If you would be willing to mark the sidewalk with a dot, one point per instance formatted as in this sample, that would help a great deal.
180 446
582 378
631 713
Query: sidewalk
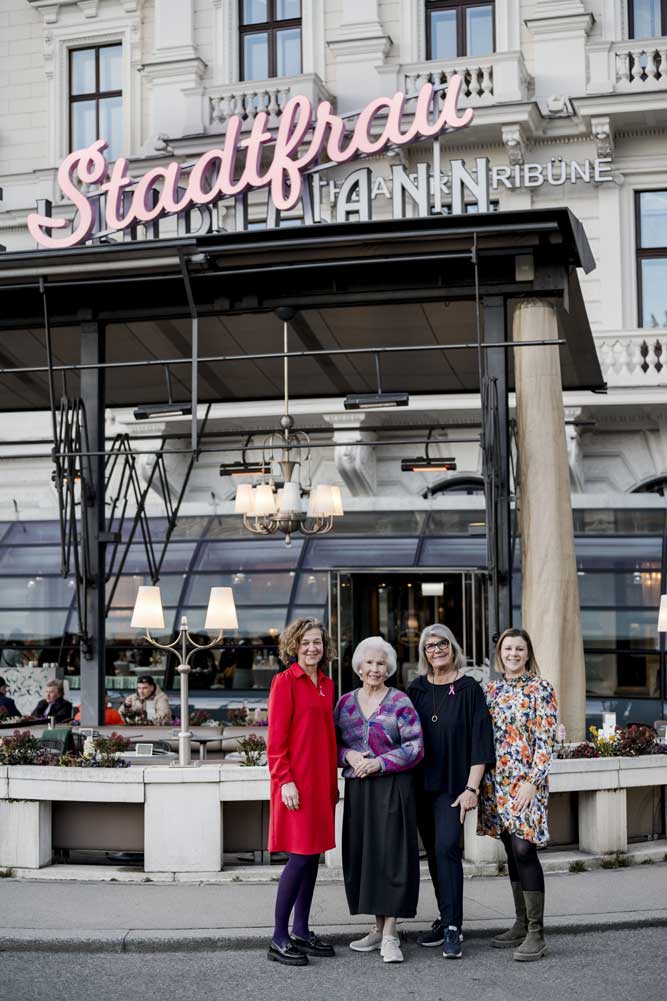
104 915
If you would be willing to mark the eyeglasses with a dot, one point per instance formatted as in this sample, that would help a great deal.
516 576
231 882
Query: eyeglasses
441 645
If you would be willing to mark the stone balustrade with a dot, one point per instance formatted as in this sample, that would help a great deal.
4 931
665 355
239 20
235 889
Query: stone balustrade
183 815
641 65
247 98
494 79
633 358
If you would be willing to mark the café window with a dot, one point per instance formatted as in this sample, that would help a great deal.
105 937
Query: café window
651 216
270 36
459 29
647 18
96 97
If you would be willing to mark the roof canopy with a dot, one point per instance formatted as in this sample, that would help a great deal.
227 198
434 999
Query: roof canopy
374 285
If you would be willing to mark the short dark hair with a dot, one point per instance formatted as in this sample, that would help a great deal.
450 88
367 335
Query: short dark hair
146 679
3 683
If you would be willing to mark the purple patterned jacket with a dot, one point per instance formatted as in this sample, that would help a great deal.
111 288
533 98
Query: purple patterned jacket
393 733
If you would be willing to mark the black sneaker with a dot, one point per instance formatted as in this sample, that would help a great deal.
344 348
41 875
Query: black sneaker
452 944
434 936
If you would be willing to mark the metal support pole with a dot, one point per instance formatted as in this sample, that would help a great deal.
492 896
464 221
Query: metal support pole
184 736
495 424
93 649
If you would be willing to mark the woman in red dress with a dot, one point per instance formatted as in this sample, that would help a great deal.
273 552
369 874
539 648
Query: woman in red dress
304 783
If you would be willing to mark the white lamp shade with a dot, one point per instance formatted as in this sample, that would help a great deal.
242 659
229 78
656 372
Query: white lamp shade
244 501
662 614
221 611
289 498
337 499
321 502
265 502
148 609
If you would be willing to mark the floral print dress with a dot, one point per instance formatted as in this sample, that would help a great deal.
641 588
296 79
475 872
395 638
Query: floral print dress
525 716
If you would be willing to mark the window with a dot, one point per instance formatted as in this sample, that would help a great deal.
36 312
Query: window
96 97
647 18
270 38
459 29
651 216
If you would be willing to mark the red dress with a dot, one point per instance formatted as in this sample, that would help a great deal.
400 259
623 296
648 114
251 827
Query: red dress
302 749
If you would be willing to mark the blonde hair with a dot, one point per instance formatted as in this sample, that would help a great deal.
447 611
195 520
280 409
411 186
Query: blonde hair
532 666
290 641
445 633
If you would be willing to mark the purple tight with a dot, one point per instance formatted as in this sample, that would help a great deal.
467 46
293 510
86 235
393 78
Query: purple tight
295 892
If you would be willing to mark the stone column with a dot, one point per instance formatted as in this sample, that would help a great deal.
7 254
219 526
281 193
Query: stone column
550 594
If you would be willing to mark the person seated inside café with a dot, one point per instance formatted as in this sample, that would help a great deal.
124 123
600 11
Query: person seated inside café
54 705
8 707
149 703
111 716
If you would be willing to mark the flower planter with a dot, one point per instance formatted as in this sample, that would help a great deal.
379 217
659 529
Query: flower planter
183 829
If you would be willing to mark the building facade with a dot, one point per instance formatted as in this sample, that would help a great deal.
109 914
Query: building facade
570 109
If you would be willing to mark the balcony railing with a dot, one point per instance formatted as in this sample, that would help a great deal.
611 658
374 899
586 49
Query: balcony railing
247 98
494 79
633 358
641 66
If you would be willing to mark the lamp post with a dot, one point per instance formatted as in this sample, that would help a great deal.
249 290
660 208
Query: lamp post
220 615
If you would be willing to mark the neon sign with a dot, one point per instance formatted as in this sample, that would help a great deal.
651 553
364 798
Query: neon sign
300 141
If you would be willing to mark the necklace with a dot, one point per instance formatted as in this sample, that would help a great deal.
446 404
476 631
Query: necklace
436 710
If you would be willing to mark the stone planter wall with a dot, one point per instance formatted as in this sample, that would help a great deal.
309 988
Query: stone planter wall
184 810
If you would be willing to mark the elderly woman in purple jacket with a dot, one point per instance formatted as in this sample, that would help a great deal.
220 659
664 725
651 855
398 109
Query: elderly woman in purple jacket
379 742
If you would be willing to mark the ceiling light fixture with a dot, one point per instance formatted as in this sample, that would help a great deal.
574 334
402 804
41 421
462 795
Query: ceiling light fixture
273 507
146 411
238 469
370 401
424 464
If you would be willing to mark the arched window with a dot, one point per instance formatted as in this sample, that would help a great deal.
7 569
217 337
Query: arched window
456 485
658 485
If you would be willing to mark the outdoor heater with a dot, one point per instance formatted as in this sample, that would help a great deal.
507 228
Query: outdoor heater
220 615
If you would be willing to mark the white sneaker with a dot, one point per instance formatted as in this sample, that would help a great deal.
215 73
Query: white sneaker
368 943
391 950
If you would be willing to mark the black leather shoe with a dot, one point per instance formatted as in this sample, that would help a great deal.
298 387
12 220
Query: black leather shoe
312 946
288 955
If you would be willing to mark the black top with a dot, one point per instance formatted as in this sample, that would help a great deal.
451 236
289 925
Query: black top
9 705
60 710
461 737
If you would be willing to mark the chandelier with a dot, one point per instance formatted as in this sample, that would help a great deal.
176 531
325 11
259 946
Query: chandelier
290 502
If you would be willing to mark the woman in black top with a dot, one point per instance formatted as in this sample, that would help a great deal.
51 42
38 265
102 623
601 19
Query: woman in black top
458 746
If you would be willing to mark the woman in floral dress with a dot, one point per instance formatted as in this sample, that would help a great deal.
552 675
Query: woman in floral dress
515 795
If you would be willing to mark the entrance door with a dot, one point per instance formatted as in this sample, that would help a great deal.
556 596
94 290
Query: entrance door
397 605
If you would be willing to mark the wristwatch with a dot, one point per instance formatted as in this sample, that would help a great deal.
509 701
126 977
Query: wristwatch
472 789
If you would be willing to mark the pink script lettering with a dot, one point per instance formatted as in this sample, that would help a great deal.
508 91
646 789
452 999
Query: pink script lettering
156 194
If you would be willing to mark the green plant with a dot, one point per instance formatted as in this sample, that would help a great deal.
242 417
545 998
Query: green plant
23 748
7 873
619 860
253 750
108 748
198 717
647 861
578 866
238 717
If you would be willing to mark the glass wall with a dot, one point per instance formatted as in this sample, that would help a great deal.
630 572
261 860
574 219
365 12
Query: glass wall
619 559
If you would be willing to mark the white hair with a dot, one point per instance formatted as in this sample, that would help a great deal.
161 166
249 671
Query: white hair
375 643
443 633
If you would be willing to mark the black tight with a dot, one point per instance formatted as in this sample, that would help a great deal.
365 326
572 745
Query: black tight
522 862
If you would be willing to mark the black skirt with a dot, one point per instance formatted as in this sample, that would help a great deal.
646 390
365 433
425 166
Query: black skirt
380 848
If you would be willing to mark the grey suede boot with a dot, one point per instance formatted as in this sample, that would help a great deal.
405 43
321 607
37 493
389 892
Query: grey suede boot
515 935
533 946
